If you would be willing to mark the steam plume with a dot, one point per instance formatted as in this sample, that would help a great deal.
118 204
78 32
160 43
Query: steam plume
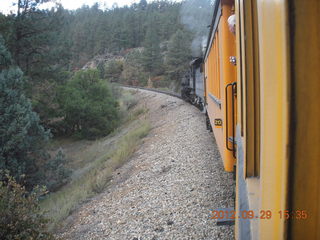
196 15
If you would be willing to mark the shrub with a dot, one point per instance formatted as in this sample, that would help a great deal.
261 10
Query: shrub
89 108
19 212
54 172
113 70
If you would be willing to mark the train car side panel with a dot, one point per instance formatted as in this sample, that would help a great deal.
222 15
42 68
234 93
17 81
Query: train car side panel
213 91
228 76
220 73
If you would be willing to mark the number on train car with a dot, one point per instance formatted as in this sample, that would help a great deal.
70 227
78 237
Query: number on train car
218 122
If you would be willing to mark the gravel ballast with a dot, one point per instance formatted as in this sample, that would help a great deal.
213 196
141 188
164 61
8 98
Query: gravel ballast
168 187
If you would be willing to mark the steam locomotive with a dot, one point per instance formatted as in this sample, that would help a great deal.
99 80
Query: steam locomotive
192 84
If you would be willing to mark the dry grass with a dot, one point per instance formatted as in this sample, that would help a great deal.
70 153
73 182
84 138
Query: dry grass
61 204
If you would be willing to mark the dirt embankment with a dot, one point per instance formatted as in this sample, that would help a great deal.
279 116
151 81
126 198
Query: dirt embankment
168 187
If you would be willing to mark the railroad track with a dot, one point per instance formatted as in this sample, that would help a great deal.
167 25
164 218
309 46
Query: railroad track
154 90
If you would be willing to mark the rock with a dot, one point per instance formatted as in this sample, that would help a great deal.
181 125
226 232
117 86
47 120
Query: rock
170 222
159 229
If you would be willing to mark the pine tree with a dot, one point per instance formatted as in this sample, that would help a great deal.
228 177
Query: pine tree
133 72
21 135
30 35
152 59
143 4
179 54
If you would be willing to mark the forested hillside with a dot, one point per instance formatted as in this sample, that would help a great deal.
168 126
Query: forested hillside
142 44
59 70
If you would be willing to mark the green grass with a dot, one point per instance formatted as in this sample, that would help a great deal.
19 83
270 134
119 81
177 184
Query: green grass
128 99
94 177
135 114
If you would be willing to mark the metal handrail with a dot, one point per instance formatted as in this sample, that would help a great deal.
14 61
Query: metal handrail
234 92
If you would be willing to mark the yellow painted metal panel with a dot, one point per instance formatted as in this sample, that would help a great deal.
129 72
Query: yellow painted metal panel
228 75
274 75
270 190
252 91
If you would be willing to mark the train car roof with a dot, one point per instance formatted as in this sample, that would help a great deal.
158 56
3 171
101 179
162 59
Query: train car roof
213 25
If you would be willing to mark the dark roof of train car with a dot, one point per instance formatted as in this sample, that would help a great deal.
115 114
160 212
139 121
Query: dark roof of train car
215 10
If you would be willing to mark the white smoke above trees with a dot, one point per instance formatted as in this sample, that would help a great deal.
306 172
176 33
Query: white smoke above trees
196 15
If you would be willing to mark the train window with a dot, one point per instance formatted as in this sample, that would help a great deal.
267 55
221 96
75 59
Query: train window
217 67
214 70
252 87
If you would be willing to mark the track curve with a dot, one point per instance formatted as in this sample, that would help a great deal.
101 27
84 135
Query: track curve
173 94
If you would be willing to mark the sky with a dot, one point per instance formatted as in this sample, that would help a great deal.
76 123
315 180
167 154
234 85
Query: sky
6 5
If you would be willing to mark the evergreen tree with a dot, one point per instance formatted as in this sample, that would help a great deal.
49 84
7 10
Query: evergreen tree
40 51
152 59
21 135
31 33
179 55
143 4
133 72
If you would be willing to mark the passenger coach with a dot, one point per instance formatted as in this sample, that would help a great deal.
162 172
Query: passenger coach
261 74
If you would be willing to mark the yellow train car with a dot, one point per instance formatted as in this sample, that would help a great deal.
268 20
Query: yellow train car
262 98
220 78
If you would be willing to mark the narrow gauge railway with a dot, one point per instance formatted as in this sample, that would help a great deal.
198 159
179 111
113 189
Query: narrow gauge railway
173 94
258 83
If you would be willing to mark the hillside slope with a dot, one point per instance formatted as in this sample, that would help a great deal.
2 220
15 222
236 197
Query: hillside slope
168 187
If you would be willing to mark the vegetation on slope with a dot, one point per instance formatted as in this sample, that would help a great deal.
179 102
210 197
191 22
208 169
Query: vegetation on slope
19 212
22 137
89 109
96 161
